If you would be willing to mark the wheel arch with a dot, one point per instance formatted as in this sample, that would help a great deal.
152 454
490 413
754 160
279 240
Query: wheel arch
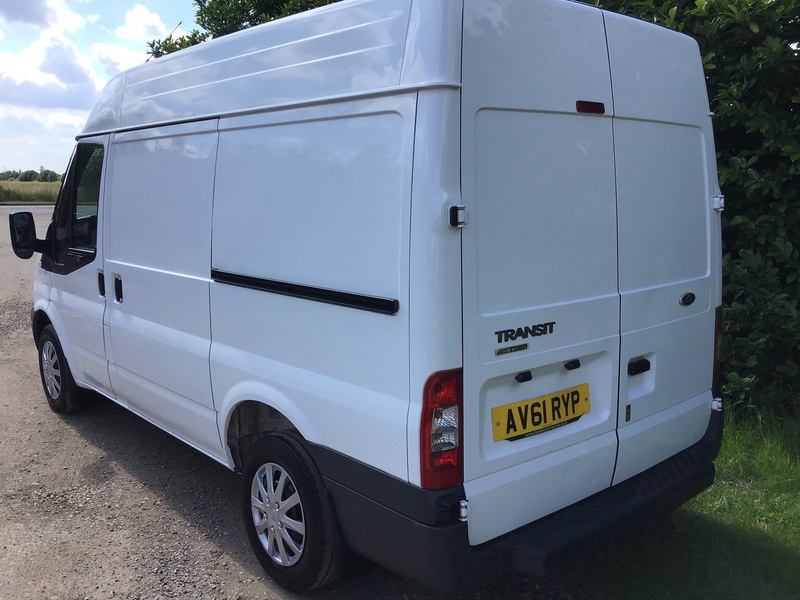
41 317
39 320
252 416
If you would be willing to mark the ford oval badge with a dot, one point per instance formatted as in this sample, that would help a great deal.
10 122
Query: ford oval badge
687 299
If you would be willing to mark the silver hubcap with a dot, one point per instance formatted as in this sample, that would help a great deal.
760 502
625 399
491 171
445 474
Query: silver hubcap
278 514
51 369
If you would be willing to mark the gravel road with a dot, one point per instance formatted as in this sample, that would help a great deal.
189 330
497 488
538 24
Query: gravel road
101 504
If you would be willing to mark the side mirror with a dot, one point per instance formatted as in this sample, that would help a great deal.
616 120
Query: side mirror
23 234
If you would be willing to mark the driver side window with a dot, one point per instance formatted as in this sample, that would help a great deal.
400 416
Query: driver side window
75 220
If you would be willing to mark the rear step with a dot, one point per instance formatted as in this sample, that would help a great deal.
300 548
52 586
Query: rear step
538 548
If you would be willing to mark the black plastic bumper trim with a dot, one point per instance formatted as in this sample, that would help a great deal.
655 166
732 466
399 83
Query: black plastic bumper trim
440 557
426 507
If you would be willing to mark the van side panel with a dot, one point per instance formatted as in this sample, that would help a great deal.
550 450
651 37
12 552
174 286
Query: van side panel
312 206
157 268
435 277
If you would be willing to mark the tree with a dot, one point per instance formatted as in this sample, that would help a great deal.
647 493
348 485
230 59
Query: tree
221 17
47 175
751 54
30 175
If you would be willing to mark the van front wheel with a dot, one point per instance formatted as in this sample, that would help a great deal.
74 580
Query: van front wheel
288 516
59 386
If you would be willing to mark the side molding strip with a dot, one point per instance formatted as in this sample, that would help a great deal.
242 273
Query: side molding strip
384 306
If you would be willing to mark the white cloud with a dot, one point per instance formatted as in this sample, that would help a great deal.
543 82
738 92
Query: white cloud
52 58
62 19
61 61
32 12
38 137
78 96
116 59
45 14
48 87
141 25
47 119
49 74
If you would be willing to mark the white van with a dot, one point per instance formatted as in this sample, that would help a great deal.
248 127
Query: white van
441 279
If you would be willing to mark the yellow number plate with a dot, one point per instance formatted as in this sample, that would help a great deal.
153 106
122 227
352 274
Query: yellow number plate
524 418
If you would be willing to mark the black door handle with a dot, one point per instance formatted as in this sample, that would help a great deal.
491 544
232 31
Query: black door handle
101 284
118 288
638 367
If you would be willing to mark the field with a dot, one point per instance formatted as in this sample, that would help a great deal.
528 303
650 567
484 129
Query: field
28 192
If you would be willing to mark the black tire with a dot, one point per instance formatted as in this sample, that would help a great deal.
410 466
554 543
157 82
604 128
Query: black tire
298 547
63 395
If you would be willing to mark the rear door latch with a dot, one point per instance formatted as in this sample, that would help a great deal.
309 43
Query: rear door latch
457 216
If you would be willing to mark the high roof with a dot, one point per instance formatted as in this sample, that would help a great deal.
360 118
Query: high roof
354 47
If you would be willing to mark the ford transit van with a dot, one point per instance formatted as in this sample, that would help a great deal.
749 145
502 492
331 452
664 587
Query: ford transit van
440 279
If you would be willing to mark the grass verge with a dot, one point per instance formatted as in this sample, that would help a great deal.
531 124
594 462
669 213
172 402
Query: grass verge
28 192
739 539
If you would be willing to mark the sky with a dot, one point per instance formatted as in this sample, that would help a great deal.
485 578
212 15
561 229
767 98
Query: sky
56 56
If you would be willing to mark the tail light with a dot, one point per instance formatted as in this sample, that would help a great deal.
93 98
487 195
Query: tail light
716 382
441 451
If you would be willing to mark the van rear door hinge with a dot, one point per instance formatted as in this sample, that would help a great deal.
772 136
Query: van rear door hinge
457 216
718 202
463 510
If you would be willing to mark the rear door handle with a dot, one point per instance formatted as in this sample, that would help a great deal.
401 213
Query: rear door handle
637 367
118 288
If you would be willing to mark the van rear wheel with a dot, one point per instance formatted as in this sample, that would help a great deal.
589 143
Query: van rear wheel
288 515
63 395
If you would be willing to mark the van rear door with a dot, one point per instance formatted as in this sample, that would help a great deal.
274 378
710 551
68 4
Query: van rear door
591 255
541 304
668 251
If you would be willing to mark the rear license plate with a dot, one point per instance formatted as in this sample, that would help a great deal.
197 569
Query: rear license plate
521 419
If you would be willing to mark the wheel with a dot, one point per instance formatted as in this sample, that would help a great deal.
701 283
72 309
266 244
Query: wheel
63 395
288 515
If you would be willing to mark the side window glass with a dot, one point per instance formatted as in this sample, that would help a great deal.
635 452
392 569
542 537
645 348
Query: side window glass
75 234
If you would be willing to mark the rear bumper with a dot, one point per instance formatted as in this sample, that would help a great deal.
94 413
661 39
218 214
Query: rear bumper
415 533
